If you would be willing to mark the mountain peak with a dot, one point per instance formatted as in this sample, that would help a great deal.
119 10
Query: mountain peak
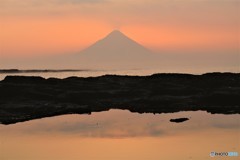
116 50
116 44
116 34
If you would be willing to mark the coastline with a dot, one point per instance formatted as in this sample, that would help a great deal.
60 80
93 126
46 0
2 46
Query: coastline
25 98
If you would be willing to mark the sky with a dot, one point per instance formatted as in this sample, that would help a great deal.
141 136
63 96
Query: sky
32 28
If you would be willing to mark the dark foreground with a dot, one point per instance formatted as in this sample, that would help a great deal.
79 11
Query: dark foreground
179 120
26 98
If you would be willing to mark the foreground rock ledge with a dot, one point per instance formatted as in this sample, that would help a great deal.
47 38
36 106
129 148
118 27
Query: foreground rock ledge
25 98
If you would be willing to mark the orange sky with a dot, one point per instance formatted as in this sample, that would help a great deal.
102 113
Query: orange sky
33 28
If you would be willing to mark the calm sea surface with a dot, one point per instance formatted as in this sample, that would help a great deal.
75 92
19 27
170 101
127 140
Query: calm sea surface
121 135
94 73
139 72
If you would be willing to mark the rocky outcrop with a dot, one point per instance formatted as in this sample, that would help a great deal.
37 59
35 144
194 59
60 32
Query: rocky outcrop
25 98
179 120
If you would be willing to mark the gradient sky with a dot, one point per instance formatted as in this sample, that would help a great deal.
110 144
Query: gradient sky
35 28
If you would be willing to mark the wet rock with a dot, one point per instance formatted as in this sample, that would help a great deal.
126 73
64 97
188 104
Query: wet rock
25 98
179 120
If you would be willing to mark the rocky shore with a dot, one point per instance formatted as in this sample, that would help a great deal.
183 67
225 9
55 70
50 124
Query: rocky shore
26 98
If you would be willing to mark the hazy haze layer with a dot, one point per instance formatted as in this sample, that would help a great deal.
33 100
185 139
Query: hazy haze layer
201 32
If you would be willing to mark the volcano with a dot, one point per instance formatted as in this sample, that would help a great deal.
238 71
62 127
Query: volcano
116 51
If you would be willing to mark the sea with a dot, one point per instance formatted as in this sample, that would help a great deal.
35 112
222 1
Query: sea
121 134
48 73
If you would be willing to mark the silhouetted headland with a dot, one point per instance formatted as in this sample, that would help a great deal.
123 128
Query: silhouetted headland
38 70
25 98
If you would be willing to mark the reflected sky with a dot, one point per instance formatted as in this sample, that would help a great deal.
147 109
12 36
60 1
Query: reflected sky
95 73
123 124
120 134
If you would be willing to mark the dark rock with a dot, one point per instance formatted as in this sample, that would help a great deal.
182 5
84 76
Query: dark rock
179 120
24 98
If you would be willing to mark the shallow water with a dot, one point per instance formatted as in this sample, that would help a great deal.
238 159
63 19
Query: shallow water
95 73
121 135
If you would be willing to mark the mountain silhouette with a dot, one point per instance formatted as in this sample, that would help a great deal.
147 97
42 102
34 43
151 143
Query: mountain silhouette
116 51
116 45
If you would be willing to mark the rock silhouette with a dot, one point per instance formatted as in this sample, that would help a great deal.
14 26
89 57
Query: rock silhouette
25 98
179 120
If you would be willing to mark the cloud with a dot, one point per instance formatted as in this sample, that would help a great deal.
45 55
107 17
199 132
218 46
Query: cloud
22 5
76 1
49 7
37 2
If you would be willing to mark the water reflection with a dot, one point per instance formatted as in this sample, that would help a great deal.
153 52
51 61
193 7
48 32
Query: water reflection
119 134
